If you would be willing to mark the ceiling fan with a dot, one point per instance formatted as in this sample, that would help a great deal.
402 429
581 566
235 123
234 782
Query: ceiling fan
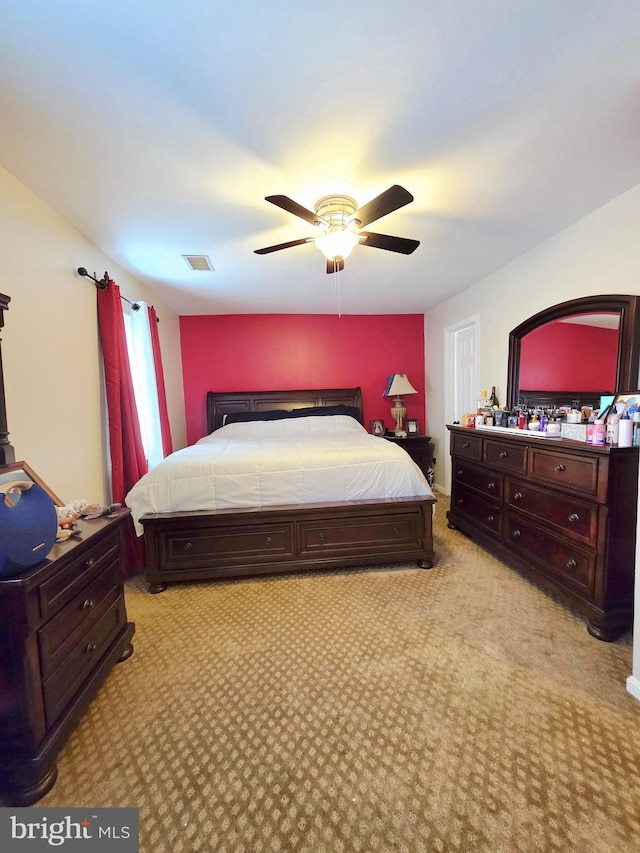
340 220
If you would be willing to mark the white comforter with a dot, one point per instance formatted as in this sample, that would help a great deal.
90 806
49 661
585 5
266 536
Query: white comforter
266 463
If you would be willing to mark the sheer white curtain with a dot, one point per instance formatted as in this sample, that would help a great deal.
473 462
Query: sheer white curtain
136 323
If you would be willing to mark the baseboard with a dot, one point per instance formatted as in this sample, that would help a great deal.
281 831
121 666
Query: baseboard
633 686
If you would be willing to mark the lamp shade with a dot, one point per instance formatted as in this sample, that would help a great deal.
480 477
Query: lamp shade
398 385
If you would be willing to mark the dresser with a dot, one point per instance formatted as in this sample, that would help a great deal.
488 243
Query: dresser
63 626
563 513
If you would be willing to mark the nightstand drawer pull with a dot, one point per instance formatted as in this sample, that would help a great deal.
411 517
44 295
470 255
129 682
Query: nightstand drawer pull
465 444
559 468
188 546
503 454
89 604
90 648
574 518
517 496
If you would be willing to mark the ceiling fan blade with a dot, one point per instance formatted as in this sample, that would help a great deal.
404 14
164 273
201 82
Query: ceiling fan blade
335 266
292 206
288 245
392 244
388 201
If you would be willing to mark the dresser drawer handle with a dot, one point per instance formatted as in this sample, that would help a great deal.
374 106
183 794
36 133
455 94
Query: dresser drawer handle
466 445
89 604
321 536
188 546
268 539
574 517
559 468
90 648
491 519
516 534
517 496
491 485
460 501
503 454
396 532
459 472
571 564
88 563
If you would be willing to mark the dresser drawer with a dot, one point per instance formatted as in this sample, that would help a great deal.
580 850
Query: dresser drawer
477 508
61 687
572 517
243 542
563 469
570 564
59 636
481 479
507 456
346 534
63 586
469 446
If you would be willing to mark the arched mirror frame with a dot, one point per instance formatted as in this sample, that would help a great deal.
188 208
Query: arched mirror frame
628 340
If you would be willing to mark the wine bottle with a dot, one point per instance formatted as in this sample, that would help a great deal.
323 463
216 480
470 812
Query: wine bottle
493 400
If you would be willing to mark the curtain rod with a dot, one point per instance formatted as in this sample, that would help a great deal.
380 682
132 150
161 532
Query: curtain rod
102 283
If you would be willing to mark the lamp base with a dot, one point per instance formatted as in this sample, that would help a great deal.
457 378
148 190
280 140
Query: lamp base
400 433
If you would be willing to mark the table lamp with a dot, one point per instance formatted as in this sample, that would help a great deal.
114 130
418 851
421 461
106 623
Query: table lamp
397 386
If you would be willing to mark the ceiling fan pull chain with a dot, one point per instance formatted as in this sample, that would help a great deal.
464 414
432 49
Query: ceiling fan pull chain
336 275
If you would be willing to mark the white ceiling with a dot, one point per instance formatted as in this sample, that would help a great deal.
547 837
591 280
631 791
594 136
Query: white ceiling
158 127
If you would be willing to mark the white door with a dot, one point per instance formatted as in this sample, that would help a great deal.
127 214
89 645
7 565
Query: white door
461 369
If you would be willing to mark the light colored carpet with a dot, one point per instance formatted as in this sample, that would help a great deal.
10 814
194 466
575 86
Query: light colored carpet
394 709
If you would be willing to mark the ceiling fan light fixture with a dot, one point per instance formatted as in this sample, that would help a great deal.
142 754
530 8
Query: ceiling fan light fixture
337 244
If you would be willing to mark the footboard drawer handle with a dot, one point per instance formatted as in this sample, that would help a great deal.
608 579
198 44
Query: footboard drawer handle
395 531
321 536
516 534
268 539
188 546
90 648
571 564
517 496
559 468
574 518
89 604
503 454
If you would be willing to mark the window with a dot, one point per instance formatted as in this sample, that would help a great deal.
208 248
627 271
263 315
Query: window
136 325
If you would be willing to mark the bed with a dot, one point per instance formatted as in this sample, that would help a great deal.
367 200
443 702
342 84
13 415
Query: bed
214 537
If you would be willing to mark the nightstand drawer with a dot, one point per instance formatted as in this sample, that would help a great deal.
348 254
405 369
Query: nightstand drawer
59 636
63 685
61 588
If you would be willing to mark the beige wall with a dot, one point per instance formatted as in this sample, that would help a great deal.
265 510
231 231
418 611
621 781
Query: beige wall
599 254
50 345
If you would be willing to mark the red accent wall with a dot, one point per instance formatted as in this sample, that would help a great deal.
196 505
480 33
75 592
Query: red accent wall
282 352
576 357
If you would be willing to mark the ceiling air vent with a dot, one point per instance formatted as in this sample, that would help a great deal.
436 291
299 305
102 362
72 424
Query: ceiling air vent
200 263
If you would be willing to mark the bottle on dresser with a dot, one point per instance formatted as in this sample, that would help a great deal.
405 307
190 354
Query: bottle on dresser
493 400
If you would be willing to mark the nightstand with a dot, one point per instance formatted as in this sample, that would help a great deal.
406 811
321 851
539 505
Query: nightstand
420 449
63 626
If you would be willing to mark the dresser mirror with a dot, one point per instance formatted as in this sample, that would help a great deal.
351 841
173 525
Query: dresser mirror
576 350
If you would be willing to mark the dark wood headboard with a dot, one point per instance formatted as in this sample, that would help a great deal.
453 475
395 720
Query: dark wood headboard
228 402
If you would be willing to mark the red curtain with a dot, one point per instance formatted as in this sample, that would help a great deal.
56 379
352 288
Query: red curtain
165 428
128 462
